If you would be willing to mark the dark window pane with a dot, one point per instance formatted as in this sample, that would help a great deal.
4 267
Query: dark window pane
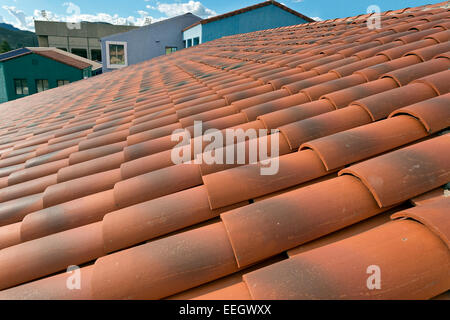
21 86
41 85
80 52
169 50
61 83
96 55
196 41
18 85
25 86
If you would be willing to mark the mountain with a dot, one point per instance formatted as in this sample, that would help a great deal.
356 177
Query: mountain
8 26
17 38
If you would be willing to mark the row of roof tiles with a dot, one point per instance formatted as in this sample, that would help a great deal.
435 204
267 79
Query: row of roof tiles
86 173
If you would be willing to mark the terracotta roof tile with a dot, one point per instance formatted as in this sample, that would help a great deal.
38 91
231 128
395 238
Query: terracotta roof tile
79 64
360 143
86 174
310 268
434 114
393 176
328 123
216 253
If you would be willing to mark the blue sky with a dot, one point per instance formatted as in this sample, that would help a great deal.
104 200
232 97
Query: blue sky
21 13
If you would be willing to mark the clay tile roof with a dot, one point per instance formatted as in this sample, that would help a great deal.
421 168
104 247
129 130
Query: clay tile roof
360 120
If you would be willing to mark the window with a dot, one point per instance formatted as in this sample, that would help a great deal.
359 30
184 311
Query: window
184 44
62 82
41 85
96 55
116 54
196 41
63 49
189 43
169 50
21 86
80 52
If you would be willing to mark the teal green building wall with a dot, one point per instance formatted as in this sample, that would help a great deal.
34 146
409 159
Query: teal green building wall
33 67
267 17
3 93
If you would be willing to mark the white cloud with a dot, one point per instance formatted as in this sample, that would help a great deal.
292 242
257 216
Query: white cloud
21 20
175 9
77 16
317 18
27 22
73 14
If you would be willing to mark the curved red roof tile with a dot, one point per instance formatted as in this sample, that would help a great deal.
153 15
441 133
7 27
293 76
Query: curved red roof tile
433 215
205 254
36 172
15 210
257 231
90 167
437 81
374 71
243 183
9 235
52 288
303 111
433 113
27 188
156 184
325 124
253 112
360 143
66 216
380 105
23 262
343 97
345 233
91 154
73 189
398 176
399 243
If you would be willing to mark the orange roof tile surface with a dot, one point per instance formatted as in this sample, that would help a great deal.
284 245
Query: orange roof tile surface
87 178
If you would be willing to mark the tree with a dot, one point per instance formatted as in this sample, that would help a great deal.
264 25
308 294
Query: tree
5 47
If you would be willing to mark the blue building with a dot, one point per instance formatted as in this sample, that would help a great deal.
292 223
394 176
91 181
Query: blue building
124 49
265 15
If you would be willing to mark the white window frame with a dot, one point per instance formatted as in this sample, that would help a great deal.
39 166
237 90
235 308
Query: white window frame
108 57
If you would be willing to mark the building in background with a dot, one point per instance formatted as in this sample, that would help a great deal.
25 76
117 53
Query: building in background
96 66
82 39
31 70
145 43
265 15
